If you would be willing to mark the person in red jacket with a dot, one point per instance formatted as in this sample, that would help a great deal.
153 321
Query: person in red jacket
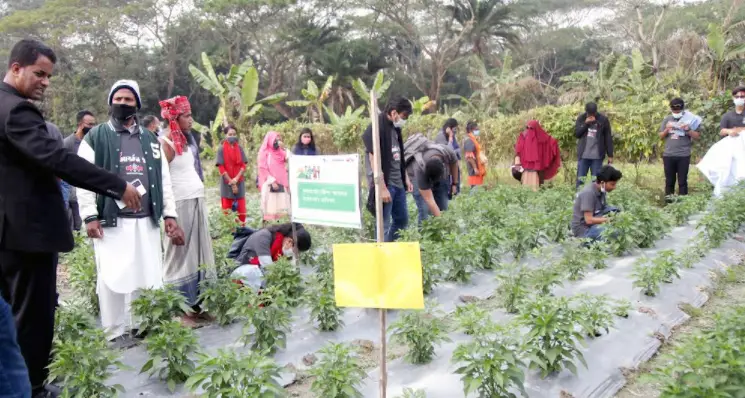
231 160
537 155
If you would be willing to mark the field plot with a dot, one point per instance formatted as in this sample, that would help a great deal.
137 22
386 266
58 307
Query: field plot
514 306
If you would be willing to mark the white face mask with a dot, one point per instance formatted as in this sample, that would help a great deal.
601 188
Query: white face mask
287 252
399 123
476 132
739 101
677 115
602 187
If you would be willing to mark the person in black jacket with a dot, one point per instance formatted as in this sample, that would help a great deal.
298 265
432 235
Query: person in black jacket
396 181
33 223
595 140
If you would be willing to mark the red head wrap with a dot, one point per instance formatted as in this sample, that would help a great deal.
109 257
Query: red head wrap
171 109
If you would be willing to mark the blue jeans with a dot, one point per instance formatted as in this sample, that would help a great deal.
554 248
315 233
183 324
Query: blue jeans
395 214
14 381
595 233
585 165
440 191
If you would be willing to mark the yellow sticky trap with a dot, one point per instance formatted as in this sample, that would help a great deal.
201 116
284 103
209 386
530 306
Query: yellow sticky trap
378 275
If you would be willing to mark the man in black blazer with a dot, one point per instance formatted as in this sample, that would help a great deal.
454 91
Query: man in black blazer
33 222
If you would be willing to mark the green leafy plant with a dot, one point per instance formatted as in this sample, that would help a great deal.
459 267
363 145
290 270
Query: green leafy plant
268 320
81 266
155 306
84 364
706 364
458 259
552 342
595 312
322 302
338 373
521 234
647 277
544 279
597 254
574 259
666 261
514 286
72 320
432 254
285 277
692 253
620 233
411 393
226 375
622 308
218 297
420 331
485 241
491 366
472 319
169 351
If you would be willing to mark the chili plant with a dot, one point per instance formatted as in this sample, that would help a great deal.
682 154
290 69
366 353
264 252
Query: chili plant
268 320
514 286
491 366
622 308
432 254
547 275
286 279
338 373
81 266
169 351
552 342
155 306
485 241
647 277
521 235
458 259
595 313
72 321
420 331
620 233
411 393
666 261
83 365
218 297
227 375
471 319
322 302
574 259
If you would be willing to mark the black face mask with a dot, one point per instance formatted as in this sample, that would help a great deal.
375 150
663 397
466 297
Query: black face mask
122 112
276 144
86 130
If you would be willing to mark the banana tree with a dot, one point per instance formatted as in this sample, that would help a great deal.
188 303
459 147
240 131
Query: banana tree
346 127
314 99
422 104
723 50
237 91
380 86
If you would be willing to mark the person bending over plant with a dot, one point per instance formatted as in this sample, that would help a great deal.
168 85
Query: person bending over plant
264 247
591 210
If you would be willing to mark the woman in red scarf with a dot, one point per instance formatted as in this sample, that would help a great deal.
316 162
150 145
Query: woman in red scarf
536 155
232 163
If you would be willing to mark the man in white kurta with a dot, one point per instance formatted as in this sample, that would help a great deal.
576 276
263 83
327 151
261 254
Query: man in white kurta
127 242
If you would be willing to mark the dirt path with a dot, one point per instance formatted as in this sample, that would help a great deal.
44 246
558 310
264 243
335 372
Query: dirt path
728 292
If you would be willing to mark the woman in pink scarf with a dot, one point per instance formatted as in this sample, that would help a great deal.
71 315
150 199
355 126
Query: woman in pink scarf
536 155
273 178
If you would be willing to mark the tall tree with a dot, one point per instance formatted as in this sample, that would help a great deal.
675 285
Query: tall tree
493 24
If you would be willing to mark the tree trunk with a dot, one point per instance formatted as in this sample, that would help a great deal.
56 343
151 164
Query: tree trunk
435 82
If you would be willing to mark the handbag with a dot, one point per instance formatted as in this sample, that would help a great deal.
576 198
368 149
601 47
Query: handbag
280 188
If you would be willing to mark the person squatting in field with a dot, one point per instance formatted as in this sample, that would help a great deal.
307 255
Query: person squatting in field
253 251
591 209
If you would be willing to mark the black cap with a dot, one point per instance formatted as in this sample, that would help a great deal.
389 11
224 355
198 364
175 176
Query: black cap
739 89
677 103
591 108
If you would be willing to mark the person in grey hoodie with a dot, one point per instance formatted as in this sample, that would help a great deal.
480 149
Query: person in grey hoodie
448 137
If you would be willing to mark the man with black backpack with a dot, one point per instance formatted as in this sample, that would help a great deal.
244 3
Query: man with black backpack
429 166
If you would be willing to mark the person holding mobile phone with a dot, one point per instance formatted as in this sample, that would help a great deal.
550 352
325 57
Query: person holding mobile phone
129 256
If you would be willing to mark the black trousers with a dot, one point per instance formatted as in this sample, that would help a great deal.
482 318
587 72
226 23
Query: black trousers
74 214
676 166
28 282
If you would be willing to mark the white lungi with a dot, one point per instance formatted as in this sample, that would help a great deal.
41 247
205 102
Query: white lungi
128 258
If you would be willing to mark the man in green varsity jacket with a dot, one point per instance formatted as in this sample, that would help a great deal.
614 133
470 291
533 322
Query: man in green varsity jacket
127 242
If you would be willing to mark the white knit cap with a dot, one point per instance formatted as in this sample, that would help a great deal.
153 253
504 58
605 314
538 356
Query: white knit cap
130 84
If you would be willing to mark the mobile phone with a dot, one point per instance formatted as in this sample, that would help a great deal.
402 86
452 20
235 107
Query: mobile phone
139 187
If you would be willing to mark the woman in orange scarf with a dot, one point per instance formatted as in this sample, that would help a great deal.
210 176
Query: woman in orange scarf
232 163
475 157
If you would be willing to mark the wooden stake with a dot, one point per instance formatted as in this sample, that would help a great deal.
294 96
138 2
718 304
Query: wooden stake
378 180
